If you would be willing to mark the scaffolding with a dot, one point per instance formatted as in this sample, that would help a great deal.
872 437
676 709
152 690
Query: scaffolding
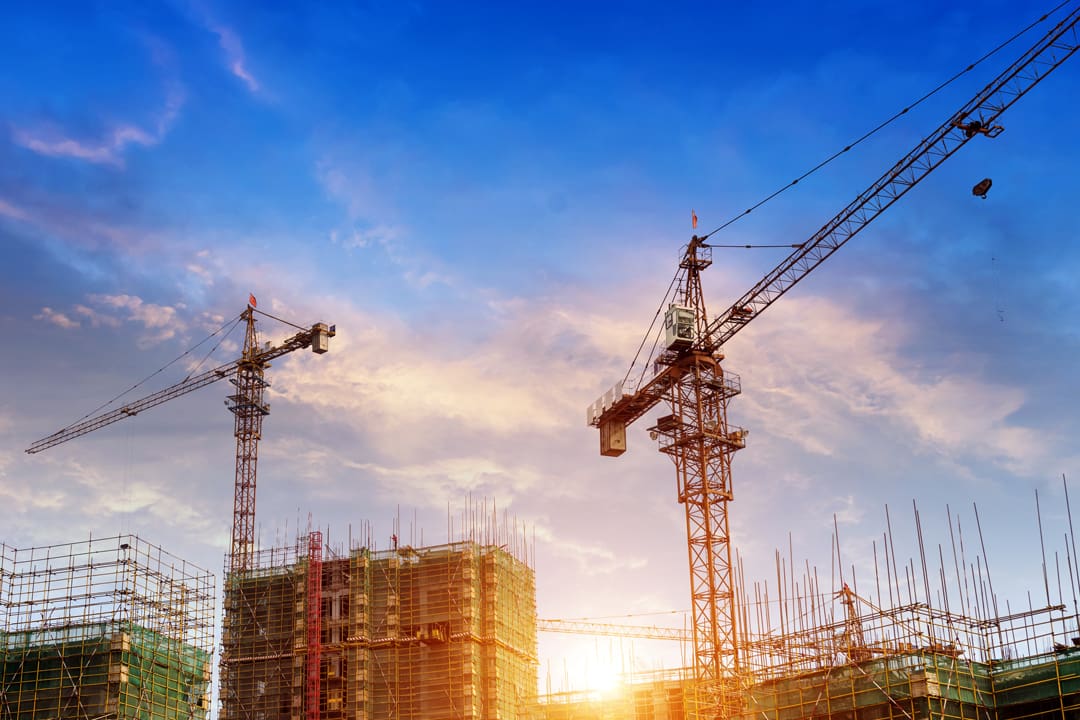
446 631
264 638
913 663
932 645
925 678
945 652
109 628
654 695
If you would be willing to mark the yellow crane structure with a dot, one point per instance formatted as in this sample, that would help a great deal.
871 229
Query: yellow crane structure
591 627
688 376
248 374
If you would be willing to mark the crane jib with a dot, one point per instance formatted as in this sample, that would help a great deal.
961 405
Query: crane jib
1008 87
317 338
986 107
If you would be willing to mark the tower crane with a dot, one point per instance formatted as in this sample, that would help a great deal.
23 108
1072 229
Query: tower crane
688 374
248 374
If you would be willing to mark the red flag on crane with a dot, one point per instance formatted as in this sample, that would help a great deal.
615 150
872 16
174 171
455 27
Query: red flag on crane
693 219
251 300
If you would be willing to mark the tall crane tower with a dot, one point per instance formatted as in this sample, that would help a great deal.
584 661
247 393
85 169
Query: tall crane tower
248 374
689 378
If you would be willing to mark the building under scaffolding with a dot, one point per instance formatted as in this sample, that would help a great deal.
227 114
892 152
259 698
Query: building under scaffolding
109 628
432 632
926 649
916 662
918 674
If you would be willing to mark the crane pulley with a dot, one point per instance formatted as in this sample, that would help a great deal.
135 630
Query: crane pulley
689 377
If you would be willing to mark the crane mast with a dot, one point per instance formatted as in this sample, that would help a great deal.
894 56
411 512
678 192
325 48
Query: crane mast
249 409
689 378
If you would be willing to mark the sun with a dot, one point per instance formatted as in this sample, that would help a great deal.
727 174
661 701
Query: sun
603 679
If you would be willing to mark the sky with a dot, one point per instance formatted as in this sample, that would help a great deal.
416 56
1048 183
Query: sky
489 200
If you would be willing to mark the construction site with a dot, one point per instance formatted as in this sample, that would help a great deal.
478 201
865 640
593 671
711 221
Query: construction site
445 631
106 628
115 628
934 642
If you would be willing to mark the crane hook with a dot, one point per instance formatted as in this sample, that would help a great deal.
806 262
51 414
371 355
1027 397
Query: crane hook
982 187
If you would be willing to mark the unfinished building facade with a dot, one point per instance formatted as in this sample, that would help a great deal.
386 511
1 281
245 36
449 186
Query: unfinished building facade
918 662
109 628
443 632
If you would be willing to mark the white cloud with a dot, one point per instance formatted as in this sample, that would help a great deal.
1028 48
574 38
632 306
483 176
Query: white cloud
11 211
354 188
148 315
96 319
85 492
523 375
846 510
53 141
79 228
380 234
369 214
47 314
161 322
203 273
820 371
234 55
589 559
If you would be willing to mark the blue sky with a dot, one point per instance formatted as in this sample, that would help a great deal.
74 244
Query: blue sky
489 200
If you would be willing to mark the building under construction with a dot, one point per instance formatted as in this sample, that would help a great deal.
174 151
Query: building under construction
447 631
905 682
109 628
919 662
933 643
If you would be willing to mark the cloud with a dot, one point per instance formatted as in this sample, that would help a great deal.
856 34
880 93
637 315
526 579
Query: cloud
440 481
87 493
11 211
163 320
47 314
590 559
824 375
383 235
846 510
526 367
203 273
58 220
234 55
148 314
96 319
53 141
354 187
